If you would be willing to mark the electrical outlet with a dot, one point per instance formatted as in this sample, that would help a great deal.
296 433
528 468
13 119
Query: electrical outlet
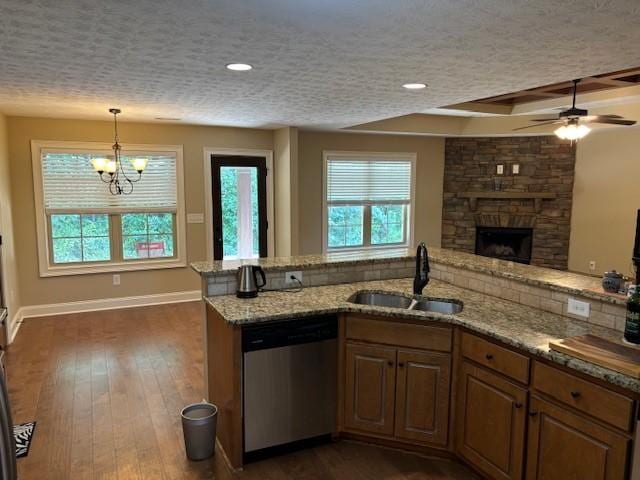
576 307
500 169
515 169
116 279
290 281
592 265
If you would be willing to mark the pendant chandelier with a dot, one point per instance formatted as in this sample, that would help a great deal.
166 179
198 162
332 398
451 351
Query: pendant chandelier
119 182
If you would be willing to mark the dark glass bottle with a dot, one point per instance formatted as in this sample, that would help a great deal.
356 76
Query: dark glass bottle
632 325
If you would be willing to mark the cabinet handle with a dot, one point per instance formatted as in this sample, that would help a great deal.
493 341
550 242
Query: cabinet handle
401 365
517 405
575 393
533 414
488 356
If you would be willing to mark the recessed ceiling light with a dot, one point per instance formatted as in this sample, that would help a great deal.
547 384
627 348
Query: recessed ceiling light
414 86
239 67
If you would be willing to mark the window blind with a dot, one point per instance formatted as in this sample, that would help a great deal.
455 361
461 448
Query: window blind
368 181
71 184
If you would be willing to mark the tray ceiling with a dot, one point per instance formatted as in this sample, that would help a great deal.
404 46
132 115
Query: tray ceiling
318 64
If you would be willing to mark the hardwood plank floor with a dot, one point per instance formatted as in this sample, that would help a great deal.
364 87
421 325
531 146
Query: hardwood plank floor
106 389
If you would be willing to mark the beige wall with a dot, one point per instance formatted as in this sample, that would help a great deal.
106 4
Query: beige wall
35 290
10 274
285 145
606 198
429 178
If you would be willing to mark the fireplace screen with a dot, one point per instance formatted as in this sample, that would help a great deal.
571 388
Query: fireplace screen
513 244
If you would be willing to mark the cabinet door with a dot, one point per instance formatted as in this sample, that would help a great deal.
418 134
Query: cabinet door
422 396
370 388
564 446
491 421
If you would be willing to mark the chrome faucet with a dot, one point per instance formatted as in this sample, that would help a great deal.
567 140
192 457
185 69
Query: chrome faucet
422 269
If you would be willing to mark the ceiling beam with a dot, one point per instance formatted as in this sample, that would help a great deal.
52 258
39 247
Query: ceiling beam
481 108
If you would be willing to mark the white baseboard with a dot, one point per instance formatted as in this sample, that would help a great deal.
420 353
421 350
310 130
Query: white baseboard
30 311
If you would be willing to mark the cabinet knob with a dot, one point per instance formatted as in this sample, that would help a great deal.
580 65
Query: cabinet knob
390 363
533 414
488 356
401 364
517 405
575 393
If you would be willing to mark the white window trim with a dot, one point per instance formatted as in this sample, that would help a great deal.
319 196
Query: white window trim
47 269
208 202
400 156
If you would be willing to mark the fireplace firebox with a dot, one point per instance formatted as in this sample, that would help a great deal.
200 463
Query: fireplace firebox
513 244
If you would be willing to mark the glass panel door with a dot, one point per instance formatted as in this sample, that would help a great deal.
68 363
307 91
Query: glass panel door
239 207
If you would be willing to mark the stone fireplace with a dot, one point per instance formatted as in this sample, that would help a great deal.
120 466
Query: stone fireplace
513 244
524 218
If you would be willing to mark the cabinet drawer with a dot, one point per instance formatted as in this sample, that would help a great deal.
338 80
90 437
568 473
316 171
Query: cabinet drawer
397 333
497 358
608 406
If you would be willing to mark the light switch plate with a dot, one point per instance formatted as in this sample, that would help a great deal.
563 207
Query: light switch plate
195 217
576 307
515 169
116 279
500 169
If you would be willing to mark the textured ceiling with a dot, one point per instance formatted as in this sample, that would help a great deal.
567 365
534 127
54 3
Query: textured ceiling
318 63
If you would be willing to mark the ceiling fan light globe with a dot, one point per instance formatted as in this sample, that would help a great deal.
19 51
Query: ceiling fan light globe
572 132
561 132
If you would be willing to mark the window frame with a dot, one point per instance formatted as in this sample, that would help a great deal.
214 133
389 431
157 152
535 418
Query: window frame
410 206
117 264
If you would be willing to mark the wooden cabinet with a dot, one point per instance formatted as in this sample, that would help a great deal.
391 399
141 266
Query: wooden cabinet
563 445
396 392
422 396
370 388
491 419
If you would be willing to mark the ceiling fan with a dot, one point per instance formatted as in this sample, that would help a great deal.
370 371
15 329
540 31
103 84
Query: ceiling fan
573 120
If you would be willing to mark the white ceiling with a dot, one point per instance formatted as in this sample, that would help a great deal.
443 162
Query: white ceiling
318 63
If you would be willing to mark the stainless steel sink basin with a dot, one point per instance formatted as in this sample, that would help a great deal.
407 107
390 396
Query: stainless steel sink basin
438 306
393 300
397 300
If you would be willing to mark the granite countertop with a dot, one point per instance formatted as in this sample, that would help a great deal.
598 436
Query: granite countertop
305 261
557 280
517 325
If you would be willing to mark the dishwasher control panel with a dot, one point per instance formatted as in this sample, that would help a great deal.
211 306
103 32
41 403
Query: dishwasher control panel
289 332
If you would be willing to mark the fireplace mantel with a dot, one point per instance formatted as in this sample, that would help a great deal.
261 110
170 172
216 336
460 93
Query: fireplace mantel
537 197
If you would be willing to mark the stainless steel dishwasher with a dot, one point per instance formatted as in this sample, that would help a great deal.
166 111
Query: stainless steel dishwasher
289 381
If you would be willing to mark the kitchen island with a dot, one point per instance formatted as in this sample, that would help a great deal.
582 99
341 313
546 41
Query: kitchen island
494 391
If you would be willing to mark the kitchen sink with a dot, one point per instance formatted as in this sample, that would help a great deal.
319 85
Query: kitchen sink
438 306
400 301
393 300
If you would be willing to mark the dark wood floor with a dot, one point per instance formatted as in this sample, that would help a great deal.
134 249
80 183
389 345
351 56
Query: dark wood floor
106 389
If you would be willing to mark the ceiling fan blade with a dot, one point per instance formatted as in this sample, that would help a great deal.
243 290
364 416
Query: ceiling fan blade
591 118
544 119
539 125
613 121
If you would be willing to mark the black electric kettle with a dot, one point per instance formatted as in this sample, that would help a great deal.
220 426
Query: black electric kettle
248 285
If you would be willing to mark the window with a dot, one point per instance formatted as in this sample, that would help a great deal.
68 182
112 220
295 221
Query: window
368 200
82 228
